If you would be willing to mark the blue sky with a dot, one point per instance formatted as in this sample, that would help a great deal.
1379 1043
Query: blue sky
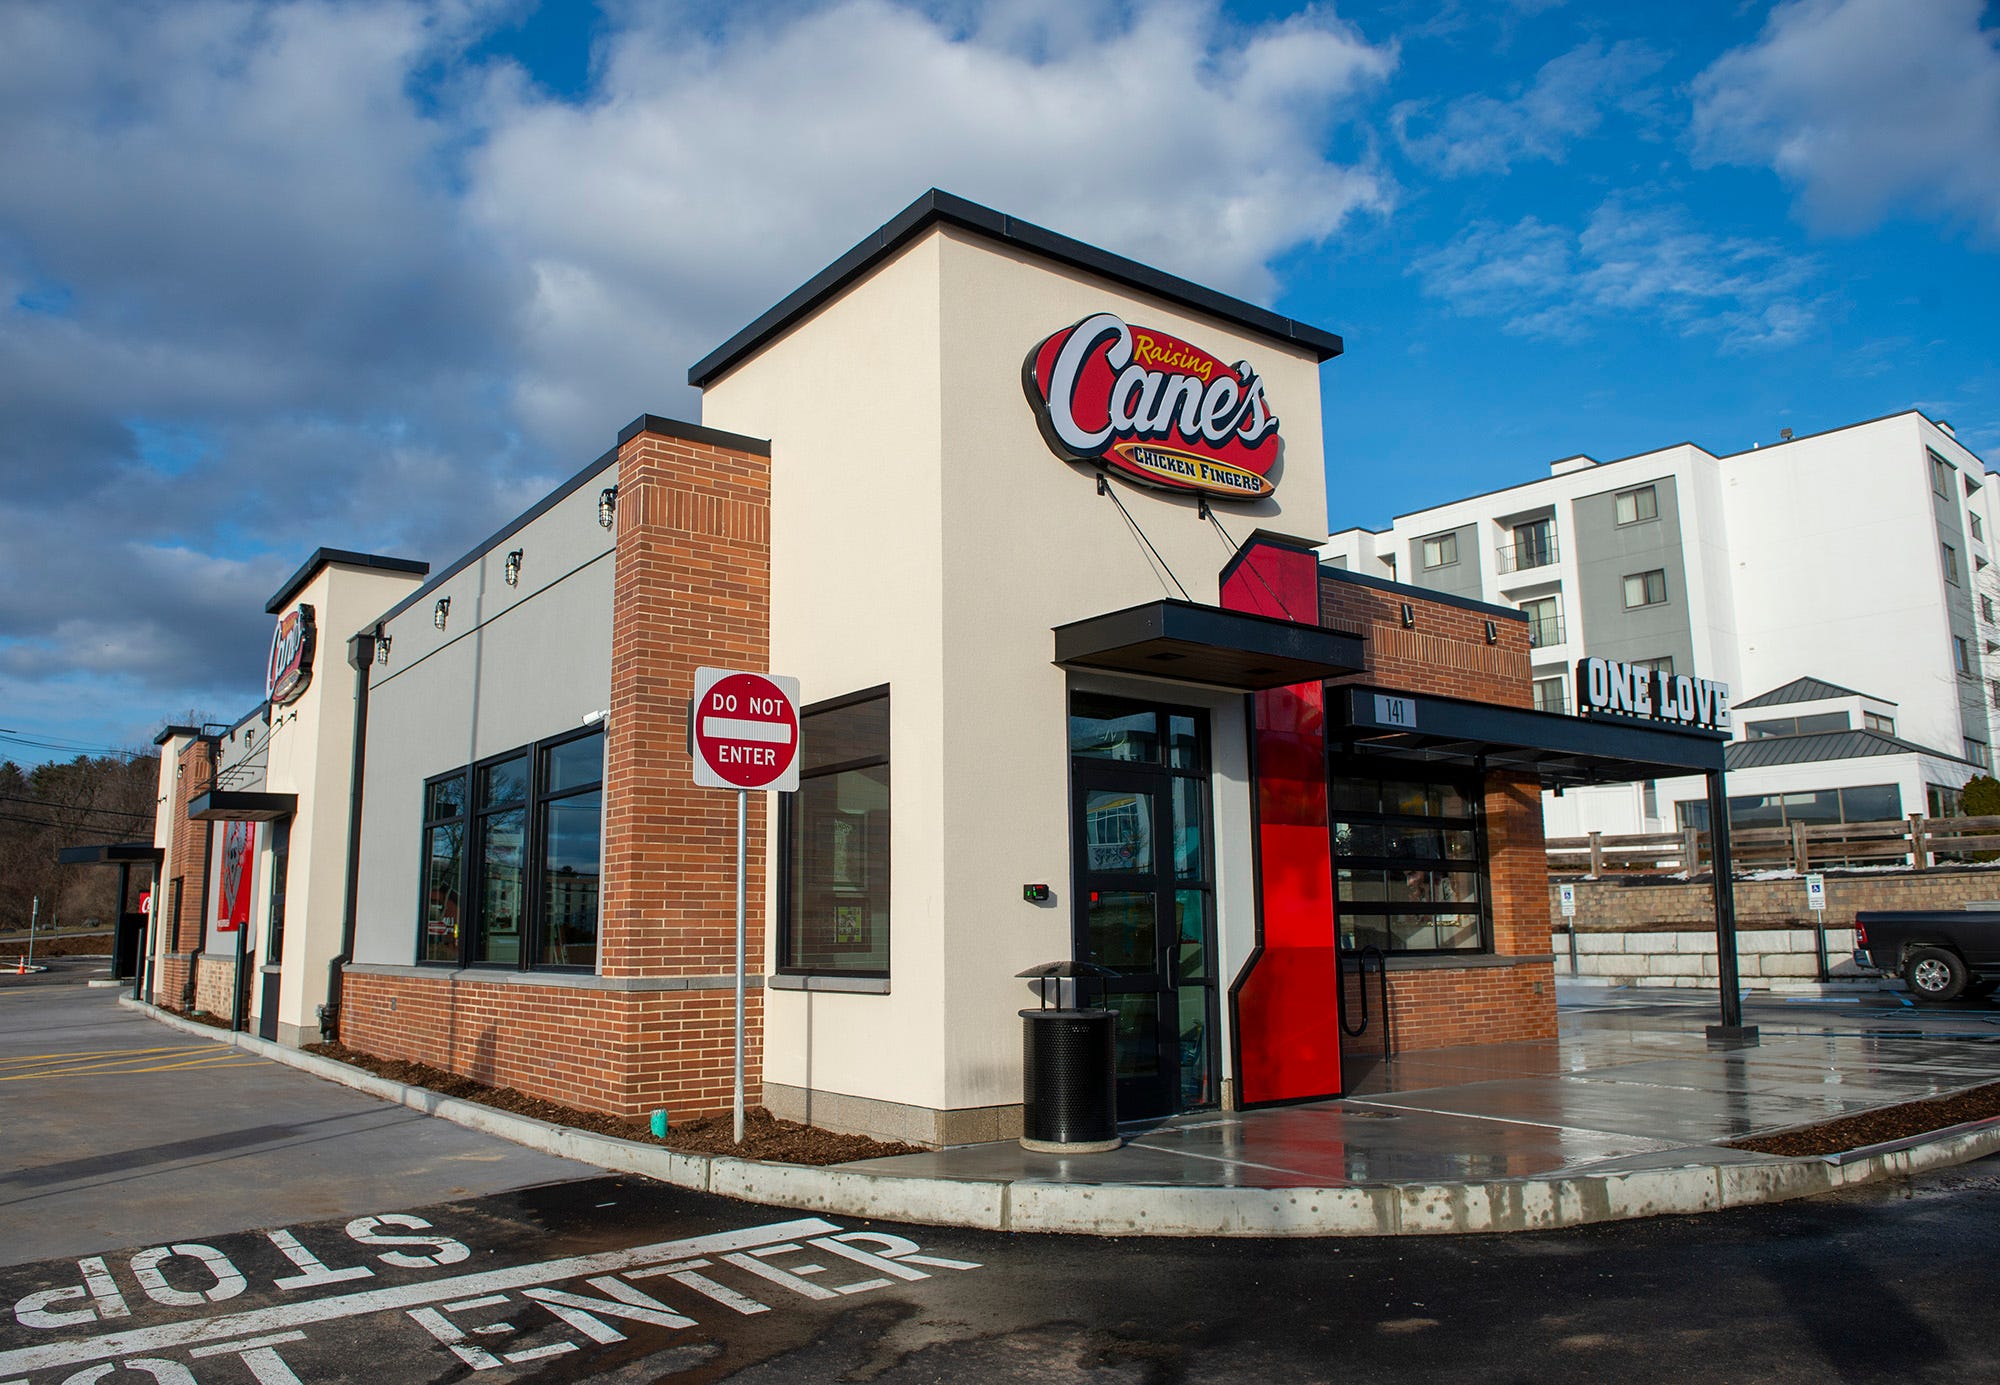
376 275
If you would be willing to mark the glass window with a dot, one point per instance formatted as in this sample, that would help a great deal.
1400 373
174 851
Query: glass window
1663 664
1940 475
1875 721
1979 753
1961 654
1534 543
1551 695
570 852
1441 551
1107 729
1646 588
1871 803
1978 529
834 831
1635 506
444 870
1410 872
1941 802
1545 625
1950 563
1986 609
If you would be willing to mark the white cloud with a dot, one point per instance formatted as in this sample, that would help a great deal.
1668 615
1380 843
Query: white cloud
708 174
274 275
1566 102
1626 263
1866 107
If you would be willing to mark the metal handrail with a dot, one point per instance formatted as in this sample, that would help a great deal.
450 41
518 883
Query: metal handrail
1545 631
1524 557
1362 958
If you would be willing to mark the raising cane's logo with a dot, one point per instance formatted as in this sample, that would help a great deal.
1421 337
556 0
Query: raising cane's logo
1153 408
290 669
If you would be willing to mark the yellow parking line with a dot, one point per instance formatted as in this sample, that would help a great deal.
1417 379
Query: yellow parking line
90 1053
118 1065
229 1061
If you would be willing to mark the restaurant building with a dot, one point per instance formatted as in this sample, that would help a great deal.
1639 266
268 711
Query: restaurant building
1034 527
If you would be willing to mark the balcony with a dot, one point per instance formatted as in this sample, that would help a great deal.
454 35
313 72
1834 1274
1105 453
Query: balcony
1527 555
1551 697
1544 631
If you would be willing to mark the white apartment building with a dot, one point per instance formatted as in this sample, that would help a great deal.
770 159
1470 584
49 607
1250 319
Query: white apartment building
1842 584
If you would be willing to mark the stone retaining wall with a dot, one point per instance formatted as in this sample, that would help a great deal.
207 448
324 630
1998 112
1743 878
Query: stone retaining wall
1637 931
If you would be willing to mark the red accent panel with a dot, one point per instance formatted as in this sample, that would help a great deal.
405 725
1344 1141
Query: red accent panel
1288 1003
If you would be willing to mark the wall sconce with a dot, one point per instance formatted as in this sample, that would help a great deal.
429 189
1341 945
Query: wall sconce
607 506
1492 633
441 612
513 573
382 644
1409 616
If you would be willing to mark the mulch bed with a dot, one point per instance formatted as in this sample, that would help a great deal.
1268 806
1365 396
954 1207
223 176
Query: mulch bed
68 945
1879 1127
764 1136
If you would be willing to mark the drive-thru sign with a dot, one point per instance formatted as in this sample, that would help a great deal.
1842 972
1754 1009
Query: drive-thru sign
746 730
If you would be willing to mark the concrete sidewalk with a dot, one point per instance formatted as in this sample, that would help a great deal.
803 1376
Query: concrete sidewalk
1622 1116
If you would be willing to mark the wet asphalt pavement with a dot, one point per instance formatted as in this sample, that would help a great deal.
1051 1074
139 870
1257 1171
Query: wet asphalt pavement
625 1280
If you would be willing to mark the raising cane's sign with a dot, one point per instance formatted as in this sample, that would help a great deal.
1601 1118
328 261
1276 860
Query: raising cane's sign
291 665
1153 408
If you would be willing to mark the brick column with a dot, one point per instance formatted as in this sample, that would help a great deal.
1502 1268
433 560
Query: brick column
189 864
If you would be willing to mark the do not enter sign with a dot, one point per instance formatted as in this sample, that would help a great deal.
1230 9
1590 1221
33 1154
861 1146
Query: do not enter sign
745 730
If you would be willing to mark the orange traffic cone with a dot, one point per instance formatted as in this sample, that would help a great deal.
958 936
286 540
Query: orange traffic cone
22 970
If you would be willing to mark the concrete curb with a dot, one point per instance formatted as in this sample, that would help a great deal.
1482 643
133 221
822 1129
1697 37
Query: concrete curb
1127 1209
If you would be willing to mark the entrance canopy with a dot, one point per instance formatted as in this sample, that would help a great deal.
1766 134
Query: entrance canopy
241 805
1565 751
1191 643
110 854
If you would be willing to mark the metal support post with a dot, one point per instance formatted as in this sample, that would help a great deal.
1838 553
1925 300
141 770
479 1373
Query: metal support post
742 842
1732 1030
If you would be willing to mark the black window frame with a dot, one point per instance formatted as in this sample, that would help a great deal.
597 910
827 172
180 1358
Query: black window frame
1471 786
472 853
787 822
1644 579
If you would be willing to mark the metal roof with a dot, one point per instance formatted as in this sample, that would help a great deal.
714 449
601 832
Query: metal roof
1822 745
1806 689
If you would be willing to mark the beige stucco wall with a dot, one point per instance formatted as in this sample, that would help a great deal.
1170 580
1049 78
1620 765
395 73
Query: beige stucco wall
310 753
925 536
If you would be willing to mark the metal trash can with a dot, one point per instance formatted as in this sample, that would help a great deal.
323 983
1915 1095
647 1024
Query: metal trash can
1069 1079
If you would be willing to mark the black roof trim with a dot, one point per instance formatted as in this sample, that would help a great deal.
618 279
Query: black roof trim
346 558
1806 689
1383 584
500 535
171 730
936 207
109 854
692 432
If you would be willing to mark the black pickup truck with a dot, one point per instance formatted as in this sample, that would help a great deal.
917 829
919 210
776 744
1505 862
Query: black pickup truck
1940 954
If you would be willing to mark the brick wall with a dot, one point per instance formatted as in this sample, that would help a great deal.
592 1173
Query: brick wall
1445 653
1622 906
188 864
214 985
692 588
624 1053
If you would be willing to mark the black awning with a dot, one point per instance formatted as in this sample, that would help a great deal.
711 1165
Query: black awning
110 854
1563 750
1205 644
241 805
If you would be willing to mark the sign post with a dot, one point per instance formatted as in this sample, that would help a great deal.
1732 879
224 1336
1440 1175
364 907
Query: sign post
744 731
1816 893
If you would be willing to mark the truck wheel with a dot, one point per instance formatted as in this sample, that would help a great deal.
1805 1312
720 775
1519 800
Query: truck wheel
1932 974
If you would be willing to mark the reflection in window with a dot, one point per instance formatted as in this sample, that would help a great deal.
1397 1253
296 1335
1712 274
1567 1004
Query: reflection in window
835 839
572 851
1409 867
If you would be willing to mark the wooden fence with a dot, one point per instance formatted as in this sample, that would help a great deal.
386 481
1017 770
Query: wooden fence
1917 842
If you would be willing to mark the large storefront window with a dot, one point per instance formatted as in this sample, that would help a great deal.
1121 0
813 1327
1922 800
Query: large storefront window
1409 858
521 827
835 835
1814 807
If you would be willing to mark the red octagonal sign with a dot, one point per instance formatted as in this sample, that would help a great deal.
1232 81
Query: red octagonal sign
745 730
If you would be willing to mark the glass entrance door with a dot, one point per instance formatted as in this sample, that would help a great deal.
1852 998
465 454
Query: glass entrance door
1144 894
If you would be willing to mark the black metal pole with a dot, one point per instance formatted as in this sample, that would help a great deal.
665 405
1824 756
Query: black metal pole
1731 1030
